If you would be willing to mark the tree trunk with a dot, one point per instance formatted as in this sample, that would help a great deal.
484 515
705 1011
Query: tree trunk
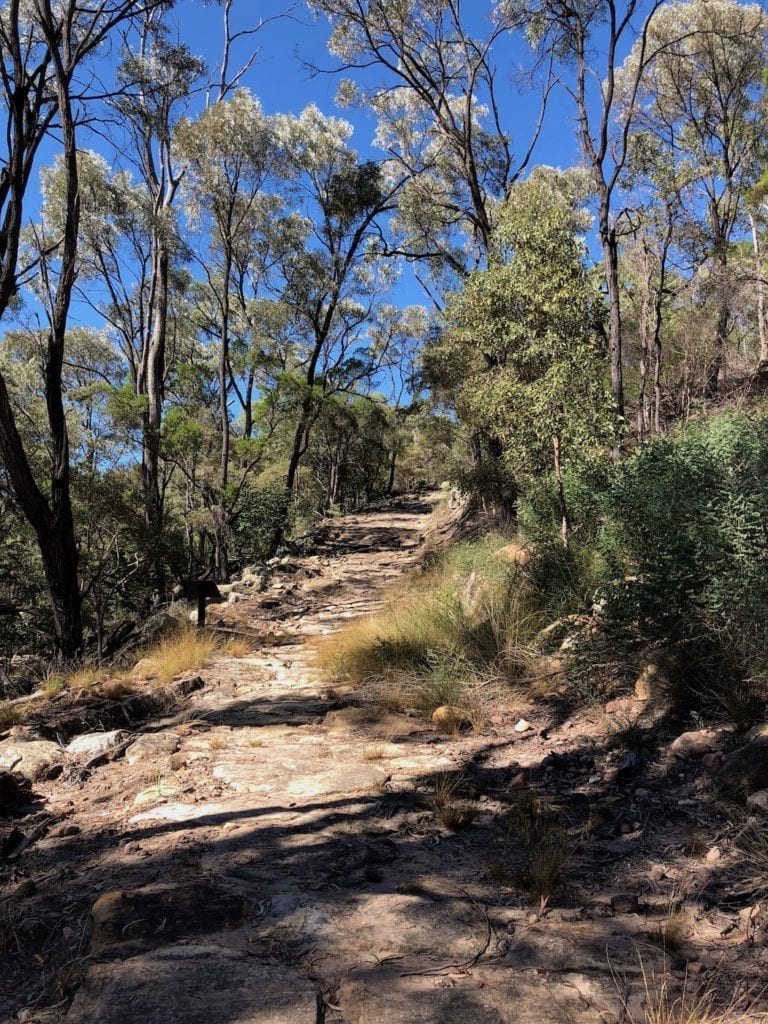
611 260
154 383
392 467
762 362
564 521
224 373
642 401
55 535
712 382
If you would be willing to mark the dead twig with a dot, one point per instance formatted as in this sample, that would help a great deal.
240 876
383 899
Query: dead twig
465 965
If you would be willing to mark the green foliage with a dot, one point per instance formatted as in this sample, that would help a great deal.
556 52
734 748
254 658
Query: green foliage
259 515
126 408
671 542
519 355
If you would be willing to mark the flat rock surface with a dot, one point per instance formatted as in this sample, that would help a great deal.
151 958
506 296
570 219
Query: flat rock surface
274 849
154 916
494 995
193 984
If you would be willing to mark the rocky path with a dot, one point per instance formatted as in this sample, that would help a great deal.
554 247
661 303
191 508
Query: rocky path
270 853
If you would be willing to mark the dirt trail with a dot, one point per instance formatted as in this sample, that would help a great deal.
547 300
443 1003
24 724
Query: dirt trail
270 854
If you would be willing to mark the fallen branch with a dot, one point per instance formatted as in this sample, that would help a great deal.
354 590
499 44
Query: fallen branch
466 964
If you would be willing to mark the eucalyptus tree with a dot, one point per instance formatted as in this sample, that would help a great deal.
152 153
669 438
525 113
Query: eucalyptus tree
228 151
331 281
535 316
438 100
694 83
439 116
585 41
157 78
43 48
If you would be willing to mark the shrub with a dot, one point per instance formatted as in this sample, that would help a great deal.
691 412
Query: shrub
671 541
259 516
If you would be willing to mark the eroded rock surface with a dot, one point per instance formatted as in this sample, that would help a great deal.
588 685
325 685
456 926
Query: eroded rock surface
275 850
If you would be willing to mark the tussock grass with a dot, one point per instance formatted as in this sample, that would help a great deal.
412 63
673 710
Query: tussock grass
752 840
469 606
188 649
548 848
453 635
8 716
84 678
704 1004
237 647
375 751
450 810
53 684
10 919
114 689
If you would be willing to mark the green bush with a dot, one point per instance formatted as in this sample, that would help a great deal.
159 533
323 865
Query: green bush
672 542
258 517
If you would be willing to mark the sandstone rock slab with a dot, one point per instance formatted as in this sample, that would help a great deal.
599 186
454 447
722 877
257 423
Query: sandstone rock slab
758 801
193 984
152 744
155 916
32 759
344 779
745 770
381 724
489 995
91 744
694 744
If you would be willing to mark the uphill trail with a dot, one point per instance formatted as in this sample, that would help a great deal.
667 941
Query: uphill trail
268 852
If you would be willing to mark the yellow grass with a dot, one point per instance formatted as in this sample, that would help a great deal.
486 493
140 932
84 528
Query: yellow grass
53 684
237 647
704 1004
8 716
85 677
188 649
114 689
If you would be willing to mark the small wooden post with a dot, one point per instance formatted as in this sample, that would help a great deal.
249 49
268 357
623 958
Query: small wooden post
204 590
8 610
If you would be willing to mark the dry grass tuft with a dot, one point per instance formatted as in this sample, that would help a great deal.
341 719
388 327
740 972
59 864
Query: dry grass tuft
8 716
188 649
752 840
670 933
497 872
69 977
53 684
375 751
548 848
450 810
703 1004
84 678
237 647
114 689
10 918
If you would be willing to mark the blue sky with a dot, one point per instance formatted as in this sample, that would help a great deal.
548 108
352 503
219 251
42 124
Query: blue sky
281 79
284 84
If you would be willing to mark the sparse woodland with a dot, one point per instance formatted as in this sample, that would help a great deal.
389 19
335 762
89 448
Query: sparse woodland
378 360
203 345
